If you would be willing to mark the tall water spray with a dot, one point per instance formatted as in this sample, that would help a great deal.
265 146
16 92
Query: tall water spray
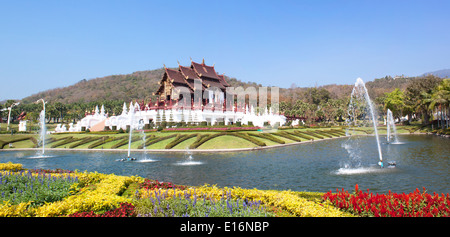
360 105
131 116
43 129
391 123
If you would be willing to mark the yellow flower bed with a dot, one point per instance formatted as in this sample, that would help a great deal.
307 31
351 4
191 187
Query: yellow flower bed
10 166
99 194
20 210
286 200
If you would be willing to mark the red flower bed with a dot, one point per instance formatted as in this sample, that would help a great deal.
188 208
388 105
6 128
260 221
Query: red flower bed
48 171
416 204
155 184
125 210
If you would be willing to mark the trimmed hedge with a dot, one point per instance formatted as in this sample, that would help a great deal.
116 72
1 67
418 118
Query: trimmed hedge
3 143
179 139
106 139
323 133
248 138
148 139
125 141
333 133
268 137
65 141
341 132
302 135
202 138
313 134
86 140
286 135
154 140
101 141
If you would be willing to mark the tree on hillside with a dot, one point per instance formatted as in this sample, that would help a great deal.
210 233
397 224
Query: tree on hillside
439 101
395 102
417 95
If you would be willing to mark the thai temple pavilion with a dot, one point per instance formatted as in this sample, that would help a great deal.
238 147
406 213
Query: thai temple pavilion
185 78
177 87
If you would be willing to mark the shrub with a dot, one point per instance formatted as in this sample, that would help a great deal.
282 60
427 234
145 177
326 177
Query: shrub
179 139
84 141
313 134
101 141
3 143
204 138
125 141
267 136
65 141
287 135
323 133
248 138
155 140
302 135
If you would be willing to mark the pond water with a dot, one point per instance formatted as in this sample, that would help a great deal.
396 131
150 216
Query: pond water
422 161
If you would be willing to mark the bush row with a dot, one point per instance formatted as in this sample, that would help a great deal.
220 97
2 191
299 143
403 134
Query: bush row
248 138
179 139
323 133
153 140
64 141
287 135
339 131
86 140
202 138
268 137
3 143
302 135
313 134
125 141
102 141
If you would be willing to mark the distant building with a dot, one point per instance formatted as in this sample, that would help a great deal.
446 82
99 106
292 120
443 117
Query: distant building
185 77
194 95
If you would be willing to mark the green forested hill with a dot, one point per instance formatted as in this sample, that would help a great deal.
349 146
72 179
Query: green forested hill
137 85
142 84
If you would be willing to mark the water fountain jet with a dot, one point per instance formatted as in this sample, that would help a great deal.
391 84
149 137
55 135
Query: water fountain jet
391 123
360 105
43 129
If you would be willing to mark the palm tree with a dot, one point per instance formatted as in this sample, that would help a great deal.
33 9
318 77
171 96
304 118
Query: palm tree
439 100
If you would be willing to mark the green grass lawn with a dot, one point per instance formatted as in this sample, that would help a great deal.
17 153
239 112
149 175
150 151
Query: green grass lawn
224 142
284 136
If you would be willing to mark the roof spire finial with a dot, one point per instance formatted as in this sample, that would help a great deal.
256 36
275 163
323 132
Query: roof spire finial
164 66
203 62
191 59
178 63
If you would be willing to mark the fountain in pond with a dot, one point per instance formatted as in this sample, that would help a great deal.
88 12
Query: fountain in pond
42 130
144 138
131 118
189 160
391 123
361 113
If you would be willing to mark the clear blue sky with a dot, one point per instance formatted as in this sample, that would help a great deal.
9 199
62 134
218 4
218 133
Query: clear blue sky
49 44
